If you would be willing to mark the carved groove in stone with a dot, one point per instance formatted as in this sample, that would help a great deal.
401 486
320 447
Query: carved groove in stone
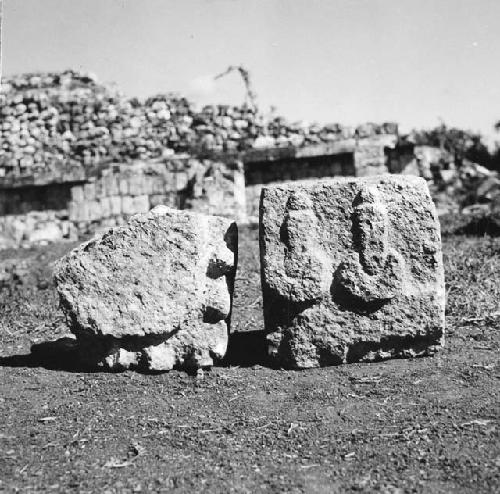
304 262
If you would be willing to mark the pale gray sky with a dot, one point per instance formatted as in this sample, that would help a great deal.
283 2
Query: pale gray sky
345 61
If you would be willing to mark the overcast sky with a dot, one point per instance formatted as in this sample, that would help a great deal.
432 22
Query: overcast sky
345 61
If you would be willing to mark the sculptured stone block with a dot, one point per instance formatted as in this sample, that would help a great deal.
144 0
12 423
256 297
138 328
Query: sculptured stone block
352 270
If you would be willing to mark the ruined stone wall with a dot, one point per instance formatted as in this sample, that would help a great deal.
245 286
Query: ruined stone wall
68 203
54 212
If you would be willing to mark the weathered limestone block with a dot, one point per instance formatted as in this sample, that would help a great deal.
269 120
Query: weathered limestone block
123 186
136 184
153 294
181 180
77 194
95 210
115 204
105 205
158 185
352 270
141 204
81 211
73 211
127 205
89 191
113 185
149 184
100 188
158 199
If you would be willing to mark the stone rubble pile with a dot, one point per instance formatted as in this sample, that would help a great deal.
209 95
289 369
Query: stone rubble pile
351 270
68 117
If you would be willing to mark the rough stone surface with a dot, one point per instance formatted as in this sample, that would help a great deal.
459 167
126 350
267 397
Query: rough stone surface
352 270
153 294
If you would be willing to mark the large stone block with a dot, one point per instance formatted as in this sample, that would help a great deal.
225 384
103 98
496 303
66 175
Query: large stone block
352 270
153 294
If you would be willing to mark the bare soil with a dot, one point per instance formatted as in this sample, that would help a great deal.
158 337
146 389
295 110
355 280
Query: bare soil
422 425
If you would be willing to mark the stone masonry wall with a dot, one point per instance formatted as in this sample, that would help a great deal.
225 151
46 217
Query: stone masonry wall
38 210
65 211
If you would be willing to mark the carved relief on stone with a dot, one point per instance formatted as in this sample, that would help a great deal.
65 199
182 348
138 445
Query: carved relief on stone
305 265
373 273
351 270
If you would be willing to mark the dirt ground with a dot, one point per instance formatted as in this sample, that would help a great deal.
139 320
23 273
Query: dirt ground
423 425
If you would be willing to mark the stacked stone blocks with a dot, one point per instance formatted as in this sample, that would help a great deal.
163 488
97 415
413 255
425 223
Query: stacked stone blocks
112 198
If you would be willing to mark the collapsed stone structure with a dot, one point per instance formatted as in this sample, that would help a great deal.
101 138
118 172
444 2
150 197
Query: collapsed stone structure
50 118
153 294
70 201
352 270
64 132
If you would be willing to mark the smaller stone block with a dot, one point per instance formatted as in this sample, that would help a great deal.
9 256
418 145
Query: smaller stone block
77 193
105 205
73 211
113 185
153 294
83 213
89 191
158 185
123 186
181 180
100 188
115 204
169 181
149 184
95 212
128 205
136 185
158 199
141 204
